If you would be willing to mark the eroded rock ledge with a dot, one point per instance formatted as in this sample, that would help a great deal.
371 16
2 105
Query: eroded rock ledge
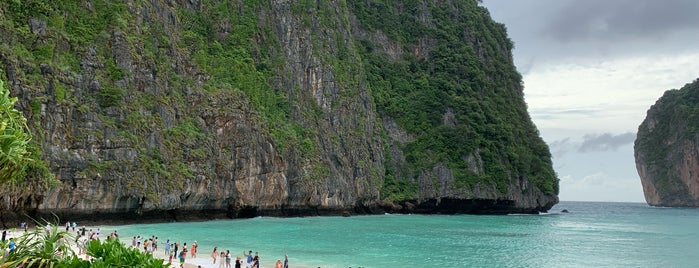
432 206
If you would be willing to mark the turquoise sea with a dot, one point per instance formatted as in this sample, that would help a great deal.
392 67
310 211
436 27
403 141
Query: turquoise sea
590 235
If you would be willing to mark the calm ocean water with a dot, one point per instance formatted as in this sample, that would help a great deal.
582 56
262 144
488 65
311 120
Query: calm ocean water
591 235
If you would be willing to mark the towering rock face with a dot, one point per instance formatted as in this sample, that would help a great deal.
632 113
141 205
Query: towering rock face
168 109
667 149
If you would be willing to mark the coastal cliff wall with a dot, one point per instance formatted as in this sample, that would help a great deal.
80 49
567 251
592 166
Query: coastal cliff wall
174 109
667 149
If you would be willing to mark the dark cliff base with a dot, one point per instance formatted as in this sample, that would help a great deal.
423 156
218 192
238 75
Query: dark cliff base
431 206
463 206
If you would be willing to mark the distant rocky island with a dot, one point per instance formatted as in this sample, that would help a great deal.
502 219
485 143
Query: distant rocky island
667 149
186 109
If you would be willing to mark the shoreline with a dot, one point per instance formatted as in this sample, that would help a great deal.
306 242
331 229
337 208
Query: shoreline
197 262
203 258
443 206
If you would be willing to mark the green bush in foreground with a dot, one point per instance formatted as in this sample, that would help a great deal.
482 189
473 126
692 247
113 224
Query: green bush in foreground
14 138
39 248
113 253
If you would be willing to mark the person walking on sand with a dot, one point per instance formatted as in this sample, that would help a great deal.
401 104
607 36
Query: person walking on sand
193 252
167 247
228 259
222 262
249 260
182 256
214 255
12 246
256 261
238 262
177 244
286 261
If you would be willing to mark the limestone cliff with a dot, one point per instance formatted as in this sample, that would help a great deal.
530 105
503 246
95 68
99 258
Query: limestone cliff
667 149
180 108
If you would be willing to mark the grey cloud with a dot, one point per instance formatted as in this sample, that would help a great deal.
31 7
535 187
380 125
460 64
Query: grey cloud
605 141
554 114
561 147
623 19
574 31
526 66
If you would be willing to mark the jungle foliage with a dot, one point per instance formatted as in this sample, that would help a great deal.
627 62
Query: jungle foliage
76 38
466 70
456 62
674 118
14 138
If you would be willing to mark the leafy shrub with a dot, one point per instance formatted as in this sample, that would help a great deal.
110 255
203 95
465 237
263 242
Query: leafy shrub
113 253
14 138
42 248
110 96
468 72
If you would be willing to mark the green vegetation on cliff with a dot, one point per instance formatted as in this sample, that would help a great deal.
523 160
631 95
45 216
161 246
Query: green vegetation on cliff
153 95
671 122
676 108
99 42
466 70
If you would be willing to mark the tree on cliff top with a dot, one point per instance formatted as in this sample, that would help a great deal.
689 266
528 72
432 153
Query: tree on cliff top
14 138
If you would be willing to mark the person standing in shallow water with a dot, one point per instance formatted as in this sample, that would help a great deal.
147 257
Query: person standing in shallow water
286 261
214 254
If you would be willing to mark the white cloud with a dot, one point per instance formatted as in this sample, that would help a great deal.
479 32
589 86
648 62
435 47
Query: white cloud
608 96
597 175
601 187
596 67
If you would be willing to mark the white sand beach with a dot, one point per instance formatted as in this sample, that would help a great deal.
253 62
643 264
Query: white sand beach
203 258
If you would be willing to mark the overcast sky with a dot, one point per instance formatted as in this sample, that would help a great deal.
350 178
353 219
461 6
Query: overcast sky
591 70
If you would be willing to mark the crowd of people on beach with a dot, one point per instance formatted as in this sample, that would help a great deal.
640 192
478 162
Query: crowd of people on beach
82 235
219 258
171 250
